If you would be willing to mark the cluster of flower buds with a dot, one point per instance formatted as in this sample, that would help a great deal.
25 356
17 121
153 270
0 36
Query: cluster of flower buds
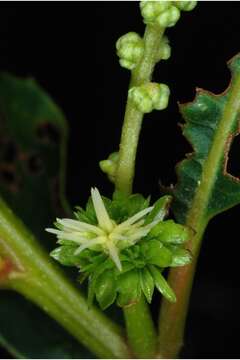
130 48
164 52
185 5
164 13
150 96
109 166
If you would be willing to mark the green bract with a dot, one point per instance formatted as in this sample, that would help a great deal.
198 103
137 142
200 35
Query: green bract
122 246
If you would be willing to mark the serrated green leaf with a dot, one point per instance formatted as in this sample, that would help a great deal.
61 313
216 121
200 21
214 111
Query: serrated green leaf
160 210
211 123
181 257
147 284
106 289
162 285
128 288
158 254
168 232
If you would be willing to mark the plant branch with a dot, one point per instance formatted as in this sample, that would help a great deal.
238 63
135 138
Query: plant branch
173 316
141 334
133 117
32 273
137 320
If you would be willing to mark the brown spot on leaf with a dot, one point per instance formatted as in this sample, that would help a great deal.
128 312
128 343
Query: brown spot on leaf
35 164
6 266
48 133
9 177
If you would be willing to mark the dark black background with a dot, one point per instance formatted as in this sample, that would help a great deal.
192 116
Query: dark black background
70 49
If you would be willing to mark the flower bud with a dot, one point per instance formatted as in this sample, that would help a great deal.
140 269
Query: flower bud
130 48
150 96
151 9
169 17
109 166
185 5
162 13
165 49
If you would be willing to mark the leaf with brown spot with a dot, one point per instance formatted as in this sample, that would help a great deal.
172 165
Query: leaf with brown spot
33 135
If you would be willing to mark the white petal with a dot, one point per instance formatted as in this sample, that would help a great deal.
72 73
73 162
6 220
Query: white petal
104 220
114 255
79 225
136 217
88 244
137 234
117 236
72 237
53 231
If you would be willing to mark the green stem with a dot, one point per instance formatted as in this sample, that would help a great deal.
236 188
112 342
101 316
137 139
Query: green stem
34 275
133 118
137 320
173 316
139 324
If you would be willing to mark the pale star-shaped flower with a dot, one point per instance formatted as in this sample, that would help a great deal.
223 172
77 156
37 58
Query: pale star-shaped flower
107 235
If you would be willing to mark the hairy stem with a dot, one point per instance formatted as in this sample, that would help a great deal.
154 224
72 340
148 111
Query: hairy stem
31 273
133 117
141 335
173 316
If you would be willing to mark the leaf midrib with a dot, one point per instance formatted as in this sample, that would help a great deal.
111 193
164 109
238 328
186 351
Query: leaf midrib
197 216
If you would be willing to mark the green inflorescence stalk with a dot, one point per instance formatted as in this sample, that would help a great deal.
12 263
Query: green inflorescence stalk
143 97
143 342
133 116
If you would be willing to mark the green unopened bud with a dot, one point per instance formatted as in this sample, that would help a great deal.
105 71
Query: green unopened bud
130 48
162 13
169 17
185 5
164 50
150 10
148 97
109 166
